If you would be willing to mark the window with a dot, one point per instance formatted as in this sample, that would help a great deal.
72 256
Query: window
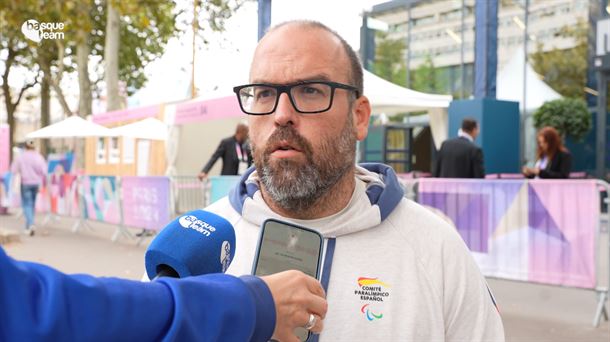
114 152
424 21
100 151
128 150
451 15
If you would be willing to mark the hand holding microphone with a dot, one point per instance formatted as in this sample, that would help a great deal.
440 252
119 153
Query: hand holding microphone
201 242
196 243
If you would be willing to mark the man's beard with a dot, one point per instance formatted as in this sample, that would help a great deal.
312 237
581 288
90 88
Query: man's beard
294 186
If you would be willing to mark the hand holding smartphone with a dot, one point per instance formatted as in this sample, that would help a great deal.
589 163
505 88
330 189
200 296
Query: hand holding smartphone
284 246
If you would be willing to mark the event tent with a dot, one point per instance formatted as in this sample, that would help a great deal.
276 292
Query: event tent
389 98
510 84
71 127
149 128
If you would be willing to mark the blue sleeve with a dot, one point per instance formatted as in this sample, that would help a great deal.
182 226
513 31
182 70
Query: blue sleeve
39 303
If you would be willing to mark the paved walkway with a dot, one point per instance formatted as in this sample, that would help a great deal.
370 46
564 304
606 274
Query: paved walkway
530 312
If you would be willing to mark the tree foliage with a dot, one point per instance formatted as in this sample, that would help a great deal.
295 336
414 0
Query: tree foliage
146 27
426 78
565 70
389 63
569 116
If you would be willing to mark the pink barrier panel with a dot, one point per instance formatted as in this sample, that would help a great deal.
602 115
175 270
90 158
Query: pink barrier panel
4 148
540 230
504 176
62 196
145 202
100 198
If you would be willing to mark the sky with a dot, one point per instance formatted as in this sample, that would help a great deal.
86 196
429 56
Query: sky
225 61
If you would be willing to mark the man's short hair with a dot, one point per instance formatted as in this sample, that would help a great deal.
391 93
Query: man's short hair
355 67
469 124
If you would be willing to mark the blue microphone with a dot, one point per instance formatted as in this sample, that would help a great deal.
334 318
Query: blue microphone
195 243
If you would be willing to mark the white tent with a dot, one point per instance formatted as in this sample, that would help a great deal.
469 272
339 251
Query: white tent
72 127
389 98
510 85
149 128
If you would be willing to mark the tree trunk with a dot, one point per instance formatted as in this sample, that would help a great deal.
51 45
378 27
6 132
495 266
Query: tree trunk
45 110
11 128
44 61
11 106
111 58
84 84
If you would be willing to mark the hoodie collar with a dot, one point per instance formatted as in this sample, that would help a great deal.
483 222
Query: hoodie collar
375 196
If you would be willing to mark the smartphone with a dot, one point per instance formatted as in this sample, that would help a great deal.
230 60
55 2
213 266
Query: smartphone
284 246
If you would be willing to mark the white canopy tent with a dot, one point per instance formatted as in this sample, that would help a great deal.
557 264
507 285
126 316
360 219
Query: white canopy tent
389 98
149 128
510 85
71 127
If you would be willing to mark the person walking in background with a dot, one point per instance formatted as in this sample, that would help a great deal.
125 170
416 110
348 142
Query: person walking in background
553 159
32 168
235 153
460 157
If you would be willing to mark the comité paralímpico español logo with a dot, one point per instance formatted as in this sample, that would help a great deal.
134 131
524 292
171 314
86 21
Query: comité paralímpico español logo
371 290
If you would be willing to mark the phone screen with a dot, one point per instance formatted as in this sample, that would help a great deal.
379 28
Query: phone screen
284 246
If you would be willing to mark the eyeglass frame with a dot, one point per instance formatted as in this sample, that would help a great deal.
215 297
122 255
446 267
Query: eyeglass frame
286 88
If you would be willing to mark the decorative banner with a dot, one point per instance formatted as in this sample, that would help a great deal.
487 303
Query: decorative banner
145 202
60 162
4 148
539 231
203 110
63 196
221 186
5 192
125 115
100 197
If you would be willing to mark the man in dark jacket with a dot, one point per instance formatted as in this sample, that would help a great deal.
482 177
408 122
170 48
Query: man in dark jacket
235 153
460 157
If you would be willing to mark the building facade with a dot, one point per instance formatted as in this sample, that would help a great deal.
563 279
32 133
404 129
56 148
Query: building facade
443 30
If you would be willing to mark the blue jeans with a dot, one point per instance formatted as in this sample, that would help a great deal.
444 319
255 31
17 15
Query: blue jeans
28 200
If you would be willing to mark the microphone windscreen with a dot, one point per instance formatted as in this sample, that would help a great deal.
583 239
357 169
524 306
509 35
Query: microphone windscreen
195 243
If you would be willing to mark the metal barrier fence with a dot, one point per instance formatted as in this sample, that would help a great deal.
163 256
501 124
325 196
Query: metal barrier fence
189 193
135 202
537 231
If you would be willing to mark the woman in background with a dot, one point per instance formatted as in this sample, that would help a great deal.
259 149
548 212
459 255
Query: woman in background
553 159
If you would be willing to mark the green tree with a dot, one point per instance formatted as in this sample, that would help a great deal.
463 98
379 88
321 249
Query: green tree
15 54
389 63
426 78
568 116
565 70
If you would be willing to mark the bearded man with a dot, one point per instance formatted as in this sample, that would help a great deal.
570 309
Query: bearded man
393 270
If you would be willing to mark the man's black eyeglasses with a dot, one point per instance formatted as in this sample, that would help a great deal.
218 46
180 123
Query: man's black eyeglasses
306 97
